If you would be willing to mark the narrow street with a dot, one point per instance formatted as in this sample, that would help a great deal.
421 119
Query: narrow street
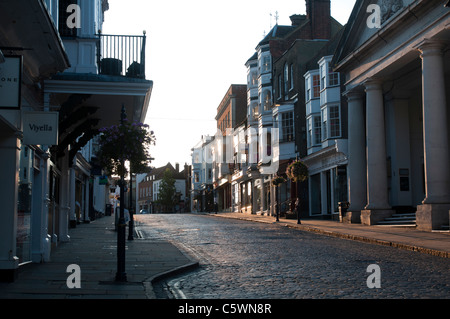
241 259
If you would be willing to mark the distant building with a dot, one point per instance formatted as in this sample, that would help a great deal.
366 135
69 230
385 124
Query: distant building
202 197
148 189
230 112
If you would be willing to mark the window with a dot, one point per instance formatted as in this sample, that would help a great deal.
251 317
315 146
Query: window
266 64
333 77
324 124
316 86
309 136
286 81
279 86
335 122
291 77
254 80
317 138
287 127
267 100
323 75
255 110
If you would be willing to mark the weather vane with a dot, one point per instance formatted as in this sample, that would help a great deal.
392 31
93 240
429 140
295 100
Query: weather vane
276 19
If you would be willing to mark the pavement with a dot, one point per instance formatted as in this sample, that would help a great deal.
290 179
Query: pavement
93 247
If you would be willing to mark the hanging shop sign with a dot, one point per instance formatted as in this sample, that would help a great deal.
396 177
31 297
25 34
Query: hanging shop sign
40 128
10 82
103 180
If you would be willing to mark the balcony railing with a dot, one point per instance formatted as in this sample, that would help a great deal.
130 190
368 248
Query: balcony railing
122 55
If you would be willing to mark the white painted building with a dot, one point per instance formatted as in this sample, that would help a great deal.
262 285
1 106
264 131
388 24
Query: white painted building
25 185
202 174
326 140
67 73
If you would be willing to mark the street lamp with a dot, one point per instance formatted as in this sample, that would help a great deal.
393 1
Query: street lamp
130 208
121 275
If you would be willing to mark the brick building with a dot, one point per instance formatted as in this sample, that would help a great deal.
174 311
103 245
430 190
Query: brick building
230 112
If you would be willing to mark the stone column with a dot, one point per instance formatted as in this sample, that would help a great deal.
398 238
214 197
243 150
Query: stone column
41 240
65 201
263 195
9 170
434 211
323 193
357 182
377 207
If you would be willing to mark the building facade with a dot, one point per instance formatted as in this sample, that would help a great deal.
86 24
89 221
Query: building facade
276 104
397 110
69 88
230 112
148 189
327 146
24 156
202 191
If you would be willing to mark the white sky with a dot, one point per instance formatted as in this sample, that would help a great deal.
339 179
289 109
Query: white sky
195 50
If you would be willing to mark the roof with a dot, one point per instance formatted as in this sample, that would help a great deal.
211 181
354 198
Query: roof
277 32
159 172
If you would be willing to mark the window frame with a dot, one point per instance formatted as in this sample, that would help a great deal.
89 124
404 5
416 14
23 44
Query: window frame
333 119
287 126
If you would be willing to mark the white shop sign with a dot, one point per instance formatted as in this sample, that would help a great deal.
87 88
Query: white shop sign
10 82
40 128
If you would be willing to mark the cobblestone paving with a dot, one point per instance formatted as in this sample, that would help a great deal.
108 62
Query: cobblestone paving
240 259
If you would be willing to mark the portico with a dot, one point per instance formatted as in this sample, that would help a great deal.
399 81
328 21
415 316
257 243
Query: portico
396 83
434 210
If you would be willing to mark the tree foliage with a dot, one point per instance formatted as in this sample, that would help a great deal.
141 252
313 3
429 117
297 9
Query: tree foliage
167 190
125 142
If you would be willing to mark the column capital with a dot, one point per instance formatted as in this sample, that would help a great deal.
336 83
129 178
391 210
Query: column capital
353 95
373 84
431 47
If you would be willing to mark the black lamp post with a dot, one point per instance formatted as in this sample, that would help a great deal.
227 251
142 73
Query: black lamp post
121 275
277 202
131 222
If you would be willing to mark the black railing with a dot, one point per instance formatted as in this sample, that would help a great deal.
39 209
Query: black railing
121 55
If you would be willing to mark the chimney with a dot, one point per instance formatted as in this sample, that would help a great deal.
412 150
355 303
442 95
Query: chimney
177 167
318 12
297 19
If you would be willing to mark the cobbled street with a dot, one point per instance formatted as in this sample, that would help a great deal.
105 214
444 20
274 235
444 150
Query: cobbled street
250 260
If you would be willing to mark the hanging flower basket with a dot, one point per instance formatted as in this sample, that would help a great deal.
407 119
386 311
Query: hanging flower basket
125 142
278 180
297 171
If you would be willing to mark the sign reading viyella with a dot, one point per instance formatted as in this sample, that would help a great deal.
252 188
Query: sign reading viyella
40 128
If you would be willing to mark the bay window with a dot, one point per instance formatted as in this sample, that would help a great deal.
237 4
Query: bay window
331 122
